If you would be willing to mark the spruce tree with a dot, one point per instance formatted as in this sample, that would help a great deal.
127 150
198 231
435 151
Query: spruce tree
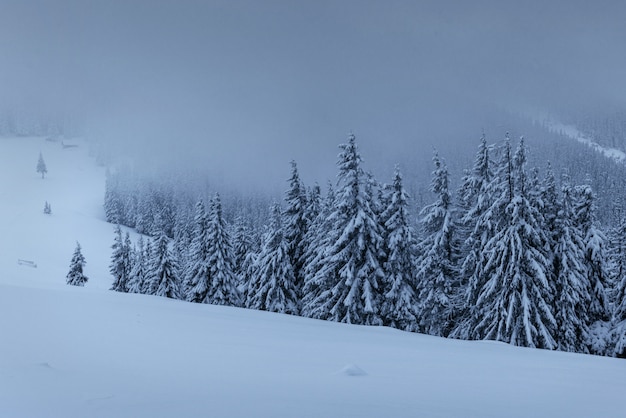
138 271
244 253
571 298
398 308
120 261
295 224
276 287
317 275
476 227
163 270
514 305
223 288
112 200
41 166
619 293
197 279
75 276
437 275
598 278
353 289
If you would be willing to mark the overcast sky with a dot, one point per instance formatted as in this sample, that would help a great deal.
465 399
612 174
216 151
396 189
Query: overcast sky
246 86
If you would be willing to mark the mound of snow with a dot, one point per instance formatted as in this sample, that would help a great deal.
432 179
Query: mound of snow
352 370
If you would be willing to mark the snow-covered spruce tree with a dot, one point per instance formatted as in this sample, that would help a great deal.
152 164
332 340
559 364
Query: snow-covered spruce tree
197 278
514 305
112 199
145 285
120 261
618 255
144 218
477 225
163 270
223 289
296 225
75 277
353 288
551 207
138 271
47 209
183 232
242 249
598 277
398 309
276 288
437 274
571 297
318 238
41 166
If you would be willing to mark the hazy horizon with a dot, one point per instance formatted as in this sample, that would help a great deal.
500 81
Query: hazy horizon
246 86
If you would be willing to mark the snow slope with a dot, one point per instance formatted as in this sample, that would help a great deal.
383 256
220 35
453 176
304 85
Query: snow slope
89 352
574 133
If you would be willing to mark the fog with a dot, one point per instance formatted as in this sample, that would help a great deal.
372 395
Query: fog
240 88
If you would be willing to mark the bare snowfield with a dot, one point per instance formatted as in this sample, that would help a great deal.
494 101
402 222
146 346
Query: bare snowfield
89 352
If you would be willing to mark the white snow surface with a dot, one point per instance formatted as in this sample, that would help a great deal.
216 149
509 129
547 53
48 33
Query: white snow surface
88 352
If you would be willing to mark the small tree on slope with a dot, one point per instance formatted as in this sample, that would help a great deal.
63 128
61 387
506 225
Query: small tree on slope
41 166
75 277
120 261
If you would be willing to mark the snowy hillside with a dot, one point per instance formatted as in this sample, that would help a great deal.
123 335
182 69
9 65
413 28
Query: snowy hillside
74 352
572 132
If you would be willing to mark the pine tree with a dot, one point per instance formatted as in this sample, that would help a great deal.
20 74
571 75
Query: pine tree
619 293
437 275
163 270
47 209
41 166
197 277
595 255
75 277
477 225
223 289
318 238
296 224
398 308
120 261
138 272
276 288
112 199
514 305
570 304
353 289
243 249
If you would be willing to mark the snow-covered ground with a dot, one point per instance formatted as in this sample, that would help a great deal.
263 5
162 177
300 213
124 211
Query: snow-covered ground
88 352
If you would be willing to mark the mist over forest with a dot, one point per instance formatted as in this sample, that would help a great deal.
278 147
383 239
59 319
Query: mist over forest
238 88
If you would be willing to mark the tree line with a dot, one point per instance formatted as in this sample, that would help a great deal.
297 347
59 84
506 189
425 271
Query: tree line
512 256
